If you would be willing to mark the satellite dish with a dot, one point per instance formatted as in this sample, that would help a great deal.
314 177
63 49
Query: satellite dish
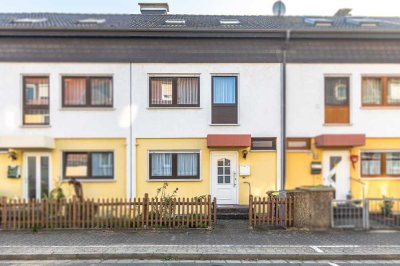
279 8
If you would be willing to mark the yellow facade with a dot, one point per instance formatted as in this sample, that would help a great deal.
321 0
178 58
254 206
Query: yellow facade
299 174
91 189
262 179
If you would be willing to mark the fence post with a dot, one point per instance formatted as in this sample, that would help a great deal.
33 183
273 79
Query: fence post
146 210
215 210
366 214
209 211
3 212
250 212
74 212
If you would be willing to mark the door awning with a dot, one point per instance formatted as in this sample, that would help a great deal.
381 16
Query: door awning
340 140
26 142
229 140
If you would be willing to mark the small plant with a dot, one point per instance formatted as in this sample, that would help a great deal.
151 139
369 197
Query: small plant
387 206
36 228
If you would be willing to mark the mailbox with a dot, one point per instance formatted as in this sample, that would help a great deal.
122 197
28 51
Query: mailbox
13 171
244 170
316 168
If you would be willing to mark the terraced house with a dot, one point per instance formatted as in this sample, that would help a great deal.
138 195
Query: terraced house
220 105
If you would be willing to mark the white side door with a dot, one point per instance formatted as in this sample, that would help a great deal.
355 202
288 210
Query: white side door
224 183
336 172
36 175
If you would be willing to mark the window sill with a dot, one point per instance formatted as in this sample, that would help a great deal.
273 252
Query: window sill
35 126
380 178
183 107
89 109
228 125
91 180
380 107
338 125
175 180
302 151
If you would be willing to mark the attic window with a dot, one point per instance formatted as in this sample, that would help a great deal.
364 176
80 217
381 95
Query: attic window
229 22
29 20
319 22
363 22
175 22
91 21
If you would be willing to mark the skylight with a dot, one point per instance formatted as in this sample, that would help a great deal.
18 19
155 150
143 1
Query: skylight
91 21
29 20
319 22
363 22
175 21
229 22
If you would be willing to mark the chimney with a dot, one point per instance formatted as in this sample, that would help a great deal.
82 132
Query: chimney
343 12
154 8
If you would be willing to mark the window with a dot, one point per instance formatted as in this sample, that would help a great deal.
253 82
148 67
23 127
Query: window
174 165
36 101
298 143
224 100
380 164
380 91
87 92
337 100
263 144
88 165
174 92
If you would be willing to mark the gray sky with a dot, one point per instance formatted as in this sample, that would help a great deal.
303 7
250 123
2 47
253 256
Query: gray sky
239 7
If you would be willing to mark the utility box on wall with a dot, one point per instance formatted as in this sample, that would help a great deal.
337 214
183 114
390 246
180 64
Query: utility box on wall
244 170
316 168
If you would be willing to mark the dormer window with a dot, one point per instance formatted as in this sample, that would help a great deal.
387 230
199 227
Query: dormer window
91 21
319 22
29 20
229 22
363 22
175 22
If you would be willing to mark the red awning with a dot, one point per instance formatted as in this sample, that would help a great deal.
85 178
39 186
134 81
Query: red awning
232 140
340 140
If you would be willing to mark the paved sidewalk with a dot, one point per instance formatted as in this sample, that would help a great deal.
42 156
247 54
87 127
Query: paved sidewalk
230 240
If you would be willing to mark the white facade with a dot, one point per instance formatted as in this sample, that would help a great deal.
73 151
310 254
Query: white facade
305 101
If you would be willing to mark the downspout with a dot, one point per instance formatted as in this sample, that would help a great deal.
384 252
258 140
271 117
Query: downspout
283 111
131 134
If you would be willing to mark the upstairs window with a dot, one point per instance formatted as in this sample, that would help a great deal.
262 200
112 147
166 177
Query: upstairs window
174 92
87 92
224 100
174 165
36 101
381 91
337 94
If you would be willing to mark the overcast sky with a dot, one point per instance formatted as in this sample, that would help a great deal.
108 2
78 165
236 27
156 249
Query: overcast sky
236 7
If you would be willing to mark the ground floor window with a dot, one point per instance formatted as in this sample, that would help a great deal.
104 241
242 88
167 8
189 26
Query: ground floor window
380 164
88 165
174 165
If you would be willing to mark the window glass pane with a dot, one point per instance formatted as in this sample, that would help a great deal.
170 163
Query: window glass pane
76 165
74 91
336 91
393 93
370 163
188 90
31 177
44 178
187 164
161 164
161 91
393 163
36 116
101 91
224 90
102 164
372 91
36 91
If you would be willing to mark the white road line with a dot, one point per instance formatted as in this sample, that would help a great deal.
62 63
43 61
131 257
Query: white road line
316 249
333 264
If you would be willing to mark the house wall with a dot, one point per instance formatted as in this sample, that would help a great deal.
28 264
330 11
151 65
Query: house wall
9 187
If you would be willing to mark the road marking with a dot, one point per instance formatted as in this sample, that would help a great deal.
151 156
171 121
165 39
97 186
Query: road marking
333 264
316 249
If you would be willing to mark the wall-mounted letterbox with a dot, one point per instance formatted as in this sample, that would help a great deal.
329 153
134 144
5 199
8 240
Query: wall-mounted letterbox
244 170
316 168
13 171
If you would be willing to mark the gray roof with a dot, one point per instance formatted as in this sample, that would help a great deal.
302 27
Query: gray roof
139 22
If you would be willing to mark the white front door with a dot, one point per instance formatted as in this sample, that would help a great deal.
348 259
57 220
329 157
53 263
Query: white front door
336 172
224 183
37 167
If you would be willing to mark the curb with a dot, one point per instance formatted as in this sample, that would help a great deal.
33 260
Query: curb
174 256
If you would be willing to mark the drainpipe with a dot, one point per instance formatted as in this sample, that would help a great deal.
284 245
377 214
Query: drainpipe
283 111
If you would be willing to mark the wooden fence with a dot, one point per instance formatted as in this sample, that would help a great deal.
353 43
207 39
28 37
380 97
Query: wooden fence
107 213
271 210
